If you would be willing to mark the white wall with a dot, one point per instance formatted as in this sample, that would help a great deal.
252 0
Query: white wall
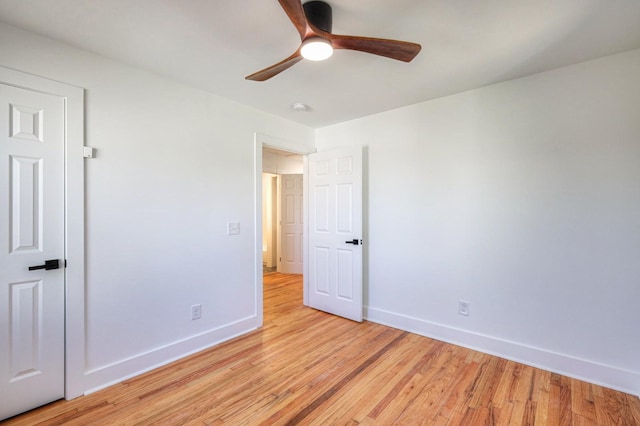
173 166
522 198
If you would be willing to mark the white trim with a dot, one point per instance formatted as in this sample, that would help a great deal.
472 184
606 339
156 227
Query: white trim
589 371
305 230
278 222
257 196
109 375
74 220
282 144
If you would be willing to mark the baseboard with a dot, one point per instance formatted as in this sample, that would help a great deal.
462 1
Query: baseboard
592 372
103 377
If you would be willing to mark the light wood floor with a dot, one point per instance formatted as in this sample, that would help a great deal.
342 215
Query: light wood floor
308 367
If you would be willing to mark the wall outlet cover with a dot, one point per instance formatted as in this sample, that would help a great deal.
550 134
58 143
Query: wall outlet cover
196 312
463 307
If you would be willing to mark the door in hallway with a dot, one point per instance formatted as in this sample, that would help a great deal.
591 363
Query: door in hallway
291 236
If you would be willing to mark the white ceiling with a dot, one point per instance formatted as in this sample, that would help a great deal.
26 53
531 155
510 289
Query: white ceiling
214 44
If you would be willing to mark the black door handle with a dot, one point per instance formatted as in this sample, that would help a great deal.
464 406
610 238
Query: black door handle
355 242
48 265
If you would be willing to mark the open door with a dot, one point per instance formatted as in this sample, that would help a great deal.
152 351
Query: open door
335 232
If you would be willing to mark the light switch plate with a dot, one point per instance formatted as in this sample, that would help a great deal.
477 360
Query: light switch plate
233 228
88 152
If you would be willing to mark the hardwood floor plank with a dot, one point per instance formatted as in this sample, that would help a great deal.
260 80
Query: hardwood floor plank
457 401
304 413
633 402
503 389
308 367
555 410
330 375
582 400
542 397
394 393
566 411
502 416
352 405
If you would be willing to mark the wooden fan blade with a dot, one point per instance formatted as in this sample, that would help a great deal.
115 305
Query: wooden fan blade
295 12
394 49
276 69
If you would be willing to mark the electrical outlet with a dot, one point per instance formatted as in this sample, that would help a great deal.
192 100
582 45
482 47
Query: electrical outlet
196 312
463 308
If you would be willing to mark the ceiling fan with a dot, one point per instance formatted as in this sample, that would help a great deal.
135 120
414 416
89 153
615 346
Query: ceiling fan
313 22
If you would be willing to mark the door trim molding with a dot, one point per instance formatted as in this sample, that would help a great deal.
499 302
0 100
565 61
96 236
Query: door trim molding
74 219
305 230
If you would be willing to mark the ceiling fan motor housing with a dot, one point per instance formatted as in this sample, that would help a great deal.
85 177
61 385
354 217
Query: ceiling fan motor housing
318 13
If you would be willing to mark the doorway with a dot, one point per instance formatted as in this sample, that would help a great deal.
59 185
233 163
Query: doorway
334 271
282 202
287 149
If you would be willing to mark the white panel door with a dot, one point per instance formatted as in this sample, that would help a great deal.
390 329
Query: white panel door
291 225
335 232
32 222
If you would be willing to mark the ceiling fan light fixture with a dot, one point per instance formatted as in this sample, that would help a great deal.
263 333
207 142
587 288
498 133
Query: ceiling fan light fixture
313 22
316 49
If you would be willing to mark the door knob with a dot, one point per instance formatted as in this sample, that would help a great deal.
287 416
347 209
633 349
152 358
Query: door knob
48 265
355 242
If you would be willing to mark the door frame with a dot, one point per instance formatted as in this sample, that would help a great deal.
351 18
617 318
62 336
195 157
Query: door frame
261 140
74 219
